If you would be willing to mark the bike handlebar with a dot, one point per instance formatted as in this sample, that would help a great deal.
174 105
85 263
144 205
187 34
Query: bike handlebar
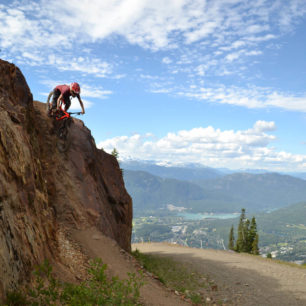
76 113
70 113
65 114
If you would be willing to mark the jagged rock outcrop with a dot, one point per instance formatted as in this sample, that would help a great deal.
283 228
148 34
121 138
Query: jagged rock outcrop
44 193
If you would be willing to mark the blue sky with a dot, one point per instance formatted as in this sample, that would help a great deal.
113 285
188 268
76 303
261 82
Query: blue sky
221 83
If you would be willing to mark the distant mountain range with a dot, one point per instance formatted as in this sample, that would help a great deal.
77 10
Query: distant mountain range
258 191
150 192
301 175
203 189
192 171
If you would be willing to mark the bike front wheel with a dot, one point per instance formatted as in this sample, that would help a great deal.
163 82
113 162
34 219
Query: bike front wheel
63 140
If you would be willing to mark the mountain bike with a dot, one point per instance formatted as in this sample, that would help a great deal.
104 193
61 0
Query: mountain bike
62 122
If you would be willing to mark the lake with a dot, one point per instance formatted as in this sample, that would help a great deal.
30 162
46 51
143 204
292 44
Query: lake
199 216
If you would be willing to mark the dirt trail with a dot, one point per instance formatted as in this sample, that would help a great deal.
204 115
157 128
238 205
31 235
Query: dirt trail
241 279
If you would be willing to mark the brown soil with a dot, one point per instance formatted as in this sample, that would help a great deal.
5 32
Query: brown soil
241 279
95 245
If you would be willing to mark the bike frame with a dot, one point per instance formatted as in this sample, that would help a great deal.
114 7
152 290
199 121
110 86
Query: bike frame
66 114
62 122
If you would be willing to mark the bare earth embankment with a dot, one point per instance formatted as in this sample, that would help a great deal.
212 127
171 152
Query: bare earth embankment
94 244
241 279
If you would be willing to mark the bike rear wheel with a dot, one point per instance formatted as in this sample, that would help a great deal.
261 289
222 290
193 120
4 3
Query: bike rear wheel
48 109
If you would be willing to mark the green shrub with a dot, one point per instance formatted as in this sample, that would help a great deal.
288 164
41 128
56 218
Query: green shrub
16 298
97 290
175 275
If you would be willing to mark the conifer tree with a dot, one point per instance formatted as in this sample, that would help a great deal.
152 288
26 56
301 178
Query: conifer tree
246 229
252 234
255 249
115 153
241 233
231 241
247 239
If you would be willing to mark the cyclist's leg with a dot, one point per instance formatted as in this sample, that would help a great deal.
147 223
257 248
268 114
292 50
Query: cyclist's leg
67 104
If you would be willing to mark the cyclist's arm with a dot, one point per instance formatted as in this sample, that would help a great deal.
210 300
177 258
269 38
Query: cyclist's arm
59 101
82 105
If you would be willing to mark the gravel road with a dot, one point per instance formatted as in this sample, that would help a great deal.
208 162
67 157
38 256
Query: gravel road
241 279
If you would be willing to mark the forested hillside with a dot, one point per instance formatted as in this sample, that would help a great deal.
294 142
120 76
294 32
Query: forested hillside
151 192
255 192
282 231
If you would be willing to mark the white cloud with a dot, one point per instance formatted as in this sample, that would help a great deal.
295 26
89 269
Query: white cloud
22 30
264 126
212 147
236 44
95 92
209 37
150 24
236 55
254 97
75 105
295 9
212 38
85 65
233 56
166 60
287 102
203 68
148 76
256 28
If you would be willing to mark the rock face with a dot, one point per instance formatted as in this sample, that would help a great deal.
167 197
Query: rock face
45 193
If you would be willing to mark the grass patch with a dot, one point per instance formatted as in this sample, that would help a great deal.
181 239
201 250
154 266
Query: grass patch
175 275
98 289
290 264
281 262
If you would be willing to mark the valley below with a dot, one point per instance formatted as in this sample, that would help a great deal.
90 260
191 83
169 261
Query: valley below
196 208
285 241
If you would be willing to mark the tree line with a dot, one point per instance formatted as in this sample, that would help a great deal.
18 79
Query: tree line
247 238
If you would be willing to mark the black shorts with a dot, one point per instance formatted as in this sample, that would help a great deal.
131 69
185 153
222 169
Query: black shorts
56 94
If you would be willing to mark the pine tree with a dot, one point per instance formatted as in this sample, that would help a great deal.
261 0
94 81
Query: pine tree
231 241
252 234
246 229
247 240
240 242
255 249
115 153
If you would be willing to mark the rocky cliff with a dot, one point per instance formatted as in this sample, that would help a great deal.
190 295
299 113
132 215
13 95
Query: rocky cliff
45 194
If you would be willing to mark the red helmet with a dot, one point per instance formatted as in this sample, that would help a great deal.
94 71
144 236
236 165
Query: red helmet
75 87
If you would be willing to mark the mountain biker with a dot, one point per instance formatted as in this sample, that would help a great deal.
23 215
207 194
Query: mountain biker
62 93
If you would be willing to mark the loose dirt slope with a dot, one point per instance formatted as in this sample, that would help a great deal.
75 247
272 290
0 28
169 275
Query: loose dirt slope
241 279
94 244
